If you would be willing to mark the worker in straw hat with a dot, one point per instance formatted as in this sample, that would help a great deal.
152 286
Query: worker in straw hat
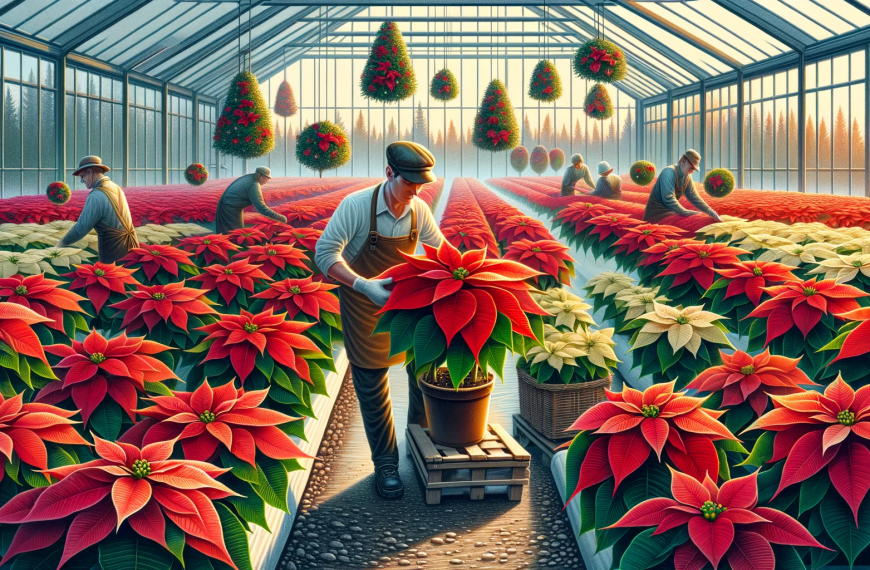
573 174
609 184
105 210
243 192
673 183
367 234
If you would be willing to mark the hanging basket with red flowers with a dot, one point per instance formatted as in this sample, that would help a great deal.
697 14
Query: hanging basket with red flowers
600 60
520 159
642 172
58 193
545 83
388 76
495 126
244 128
444 86
285 101
196 174
322 146
597 104
719 182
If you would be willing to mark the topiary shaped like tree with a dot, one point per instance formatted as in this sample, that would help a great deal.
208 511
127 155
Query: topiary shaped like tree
520 159
545 83
322 146
495 126
244 128
285 101
540 159
597 104
444 86
388 76
557 159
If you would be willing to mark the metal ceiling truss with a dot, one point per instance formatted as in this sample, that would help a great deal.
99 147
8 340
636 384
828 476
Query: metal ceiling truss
772 24
107 17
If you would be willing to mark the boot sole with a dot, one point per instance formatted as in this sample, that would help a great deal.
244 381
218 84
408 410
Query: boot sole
390 494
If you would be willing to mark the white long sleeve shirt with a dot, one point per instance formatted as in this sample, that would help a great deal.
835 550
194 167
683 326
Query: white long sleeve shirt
348 228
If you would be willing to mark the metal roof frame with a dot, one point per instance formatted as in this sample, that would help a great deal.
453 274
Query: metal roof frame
107 17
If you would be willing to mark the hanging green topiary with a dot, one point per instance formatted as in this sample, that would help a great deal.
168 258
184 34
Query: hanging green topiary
545 84
58 193
540 159
600 60
495 126
244 127
285 101
387 76
322 146
520 159
719 182
597 103
444 86
642 172
557 159
196 174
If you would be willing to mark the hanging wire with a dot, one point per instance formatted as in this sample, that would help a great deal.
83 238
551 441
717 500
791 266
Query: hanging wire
250 9
240 37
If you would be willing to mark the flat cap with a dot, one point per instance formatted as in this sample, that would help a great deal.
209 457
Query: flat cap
264 170
576 158
411 161
693 157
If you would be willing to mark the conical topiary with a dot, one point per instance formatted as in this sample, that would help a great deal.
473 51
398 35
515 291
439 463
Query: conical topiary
540 159
444 86
600 60
557 159
244 128
388 76
520 159
495 126
322 146
545 84
285 101
597 104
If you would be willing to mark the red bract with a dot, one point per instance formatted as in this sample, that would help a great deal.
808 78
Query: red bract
305 237
655 253
743 378
24 428
468 237
271 228
156 257
295 295
857 342
518 227
751 277
818 430
612 224
711 514
465 290
42 296
208 417
228 279
15 331
658 418
247 236
579 214
546 256
126 483
96 367
802 304
698 261
273 257
242 337
151 304
100 280
210 247
644 236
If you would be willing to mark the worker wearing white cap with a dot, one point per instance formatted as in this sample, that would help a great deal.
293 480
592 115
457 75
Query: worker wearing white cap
575 174
243 192
609 184
673 183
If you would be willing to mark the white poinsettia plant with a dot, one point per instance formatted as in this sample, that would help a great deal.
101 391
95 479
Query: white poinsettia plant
571 357
567 310
602 288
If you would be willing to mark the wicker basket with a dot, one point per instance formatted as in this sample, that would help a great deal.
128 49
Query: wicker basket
552 408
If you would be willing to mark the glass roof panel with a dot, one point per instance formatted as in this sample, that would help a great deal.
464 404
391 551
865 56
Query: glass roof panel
728 21
35 17
797 13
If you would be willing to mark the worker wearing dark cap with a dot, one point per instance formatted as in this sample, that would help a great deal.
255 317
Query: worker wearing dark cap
243 192
366 235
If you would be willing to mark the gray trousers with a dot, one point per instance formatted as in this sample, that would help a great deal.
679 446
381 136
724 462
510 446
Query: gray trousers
373 393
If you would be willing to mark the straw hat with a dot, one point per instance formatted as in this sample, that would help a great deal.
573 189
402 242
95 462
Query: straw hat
91 161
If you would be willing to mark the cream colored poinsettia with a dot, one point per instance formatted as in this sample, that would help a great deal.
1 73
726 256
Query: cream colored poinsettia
684 327
797 254
597 345
188 229
22 263
545 299
63 256
571 313
609 283
641 303
729 227
756 241
557 354
844 268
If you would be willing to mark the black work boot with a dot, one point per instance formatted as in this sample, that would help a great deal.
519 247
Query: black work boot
388 482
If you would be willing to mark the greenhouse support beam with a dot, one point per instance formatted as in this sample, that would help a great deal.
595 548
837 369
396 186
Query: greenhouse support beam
866 119
703 130
741 113
639 127
28 43
60 116
669 113
9 7
773 25
861 7
165 118
802 124
195 130
107 17
125 124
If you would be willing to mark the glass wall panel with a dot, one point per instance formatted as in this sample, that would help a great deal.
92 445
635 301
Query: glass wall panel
770 131
180 141
145 126
655 127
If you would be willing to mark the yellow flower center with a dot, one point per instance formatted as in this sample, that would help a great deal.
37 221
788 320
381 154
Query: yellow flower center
207 417
757 271
250 328
646 232
747 370
703 254
141 468
295 290
158 296
228 271
650 411
711 510
536 249
99 272
460 273
155 252
857 263
809 291
21 290
272 252
846 418
98 357
682 320
206 241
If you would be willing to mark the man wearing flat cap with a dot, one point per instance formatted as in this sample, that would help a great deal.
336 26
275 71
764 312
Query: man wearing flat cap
105 210
243 192
673 183
367 235
574 174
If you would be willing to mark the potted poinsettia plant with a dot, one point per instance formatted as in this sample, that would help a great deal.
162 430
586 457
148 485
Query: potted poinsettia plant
466 311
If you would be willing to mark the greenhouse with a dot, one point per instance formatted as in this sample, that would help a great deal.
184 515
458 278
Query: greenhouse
571 284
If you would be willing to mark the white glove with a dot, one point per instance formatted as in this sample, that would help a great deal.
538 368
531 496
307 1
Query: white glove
374 289
715 216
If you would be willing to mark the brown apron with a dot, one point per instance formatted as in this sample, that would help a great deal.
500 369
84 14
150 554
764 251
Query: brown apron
114 243
655 210
358 318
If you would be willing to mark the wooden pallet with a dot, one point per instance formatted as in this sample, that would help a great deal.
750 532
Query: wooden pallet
441 467
526 434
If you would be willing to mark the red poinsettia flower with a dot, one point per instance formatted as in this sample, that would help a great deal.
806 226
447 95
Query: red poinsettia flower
242 337
15 331
228 279
151 304
822 430
712 515
579 214
698 261
655 253
24 428
294 295
518 227
743 378
211 247
635 423
612 224
155 257
462 234
41 295
857 342
204 419
802 304
545 256
645 236
126 483
247 236
271 228
100 280
305 237
274 257
751 277
97 367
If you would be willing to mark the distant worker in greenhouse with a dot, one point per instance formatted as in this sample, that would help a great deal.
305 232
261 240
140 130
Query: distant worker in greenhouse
674 182
105 210
609 184
574 174
243 192
367 235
